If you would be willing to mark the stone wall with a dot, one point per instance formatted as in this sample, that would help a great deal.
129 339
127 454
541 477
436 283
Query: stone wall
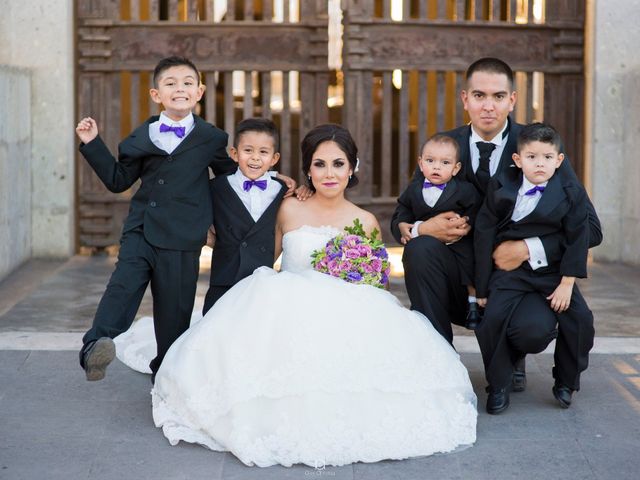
38 36
15 168
616 129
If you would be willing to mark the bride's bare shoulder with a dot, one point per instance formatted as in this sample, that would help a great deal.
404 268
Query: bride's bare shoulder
368 219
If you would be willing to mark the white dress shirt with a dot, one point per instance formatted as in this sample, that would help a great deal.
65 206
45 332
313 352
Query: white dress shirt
430 196
494 160
255 200
525 204
169 141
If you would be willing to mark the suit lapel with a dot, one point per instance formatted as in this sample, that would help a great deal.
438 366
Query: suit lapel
506 159
235 204
139 138
275 204
505 199
201 133
553 194
421 208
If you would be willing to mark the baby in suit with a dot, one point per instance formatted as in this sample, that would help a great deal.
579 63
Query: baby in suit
169 214
532 201
440 191
245 206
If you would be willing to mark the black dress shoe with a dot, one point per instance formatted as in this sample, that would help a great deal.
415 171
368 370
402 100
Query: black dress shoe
473 316
562 394
96 358
497 400
519 378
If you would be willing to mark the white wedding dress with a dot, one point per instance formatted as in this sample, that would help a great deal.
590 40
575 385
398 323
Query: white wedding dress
300 367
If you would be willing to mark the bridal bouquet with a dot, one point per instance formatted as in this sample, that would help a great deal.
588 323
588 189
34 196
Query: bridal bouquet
354 257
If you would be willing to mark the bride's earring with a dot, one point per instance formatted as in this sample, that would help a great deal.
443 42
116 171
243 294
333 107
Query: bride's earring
350 177
309 177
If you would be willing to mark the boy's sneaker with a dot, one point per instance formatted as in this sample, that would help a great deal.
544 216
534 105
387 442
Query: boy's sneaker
97 357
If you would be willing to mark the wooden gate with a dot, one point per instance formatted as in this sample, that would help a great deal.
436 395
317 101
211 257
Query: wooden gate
254 61
403 63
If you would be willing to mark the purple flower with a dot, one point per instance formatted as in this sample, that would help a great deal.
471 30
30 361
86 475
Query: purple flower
376 264
354 277
365 250
353 252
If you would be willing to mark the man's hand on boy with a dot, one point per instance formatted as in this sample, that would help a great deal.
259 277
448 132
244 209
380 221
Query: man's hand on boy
87 129
289 182
448 227
510 254
482 302
303 192
211 236
405 232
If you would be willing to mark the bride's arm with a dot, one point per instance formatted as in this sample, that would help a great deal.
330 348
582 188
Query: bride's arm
279 234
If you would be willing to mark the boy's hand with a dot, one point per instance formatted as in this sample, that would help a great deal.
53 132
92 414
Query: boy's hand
303 192
405 232
289 182
561 296
87 129
482 302
211 236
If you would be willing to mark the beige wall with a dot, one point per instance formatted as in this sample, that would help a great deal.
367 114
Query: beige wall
15 168
615 173
37 36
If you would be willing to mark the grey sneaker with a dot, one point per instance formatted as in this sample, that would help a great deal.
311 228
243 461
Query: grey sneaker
97 357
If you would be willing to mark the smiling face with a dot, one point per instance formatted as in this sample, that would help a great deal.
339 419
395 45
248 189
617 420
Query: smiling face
178 90
538 161
438 162
489 99
329 169
255 154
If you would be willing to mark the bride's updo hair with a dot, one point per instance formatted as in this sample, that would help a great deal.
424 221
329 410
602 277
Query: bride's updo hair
329 132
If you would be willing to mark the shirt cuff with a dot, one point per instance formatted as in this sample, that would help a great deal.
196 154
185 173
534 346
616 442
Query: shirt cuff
537 255
414 229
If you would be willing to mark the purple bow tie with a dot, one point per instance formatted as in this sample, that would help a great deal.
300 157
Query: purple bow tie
535 189
261 184
429 185
179 131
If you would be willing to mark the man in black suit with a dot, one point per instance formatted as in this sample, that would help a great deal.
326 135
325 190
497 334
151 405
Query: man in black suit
533 202
245 207
168 217
486 148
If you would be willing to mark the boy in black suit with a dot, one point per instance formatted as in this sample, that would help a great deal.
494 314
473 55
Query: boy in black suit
245 206
438 191
168 217
533 201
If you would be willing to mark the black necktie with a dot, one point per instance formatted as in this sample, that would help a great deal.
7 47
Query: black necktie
482 173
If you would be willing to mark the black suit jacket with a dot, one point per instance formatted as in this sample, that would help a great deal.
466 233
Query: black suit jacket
460 197
242 244
173 203
552 243
562 211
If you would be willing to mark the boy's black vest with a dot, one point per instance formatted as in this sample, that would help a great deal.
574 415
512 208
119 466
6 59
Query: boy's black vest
242 244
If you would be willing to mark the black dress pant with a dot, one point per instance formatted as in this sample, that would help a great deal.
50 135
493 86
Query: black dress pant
519 320
173 275
214 294
432 278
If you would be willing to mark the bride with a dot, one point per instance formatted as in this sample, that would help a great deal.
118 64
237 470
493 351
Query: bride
301 367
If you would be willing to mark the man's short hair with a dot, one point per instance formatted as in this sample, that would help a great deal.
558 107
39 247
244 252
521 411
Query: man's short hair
490 65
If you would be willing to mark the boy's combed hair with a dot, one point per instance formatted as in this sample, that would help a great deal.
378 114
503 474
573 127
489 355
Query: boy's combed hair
445 140
169 62
490 65
263 125
539 132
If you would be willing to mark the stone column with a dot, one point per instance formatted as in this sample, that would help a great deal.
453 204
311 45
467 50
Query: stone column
616 129
38 36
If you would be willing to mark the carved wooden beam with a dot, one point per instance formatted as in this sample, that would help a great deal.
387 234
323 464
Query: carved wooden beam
106 45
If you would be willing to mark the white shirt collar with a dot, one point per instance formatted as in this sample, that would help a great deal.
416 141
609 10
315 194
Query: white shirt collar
527 185
241 178
186 121
497 140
